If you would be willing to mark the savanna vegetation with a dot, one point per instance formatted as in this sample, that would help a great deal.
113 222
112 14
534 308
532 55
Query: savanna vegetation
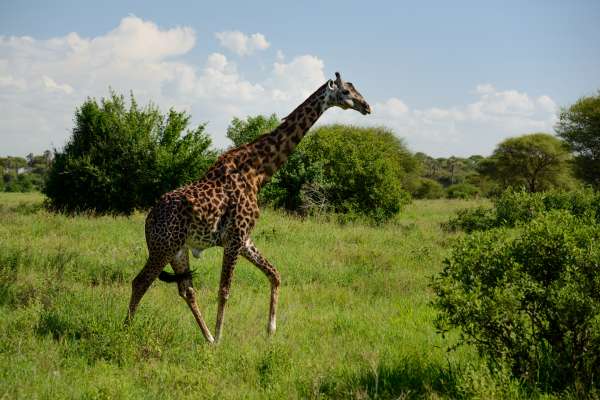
348 170
121 158
579 126
24 174
355 314
524 288
404 275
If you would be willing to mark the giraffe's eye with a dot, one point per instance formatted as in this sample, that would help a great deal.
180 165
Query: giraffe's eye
346 92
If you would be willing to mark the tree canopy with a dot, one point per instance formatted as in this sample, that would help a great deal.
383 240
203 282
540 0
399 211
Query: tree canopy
245 131
364 170
338 168
537 161
579 126
18 174
122 158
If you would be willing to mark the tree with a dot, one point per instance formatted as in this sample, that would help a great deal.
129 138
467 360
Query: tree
119 159
579 126
537 161
245 131
15 176
13 164
337 168
362 170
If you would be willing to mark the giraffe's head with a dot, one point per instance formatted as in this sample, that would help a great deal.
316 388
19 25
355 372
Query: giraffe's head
344 95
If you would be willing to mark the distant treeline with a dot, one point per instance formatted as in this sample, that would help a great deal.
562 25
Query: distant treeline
121 157
24 174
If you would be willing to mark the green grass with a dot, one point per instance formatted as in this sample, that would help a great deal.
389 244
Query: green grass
354 314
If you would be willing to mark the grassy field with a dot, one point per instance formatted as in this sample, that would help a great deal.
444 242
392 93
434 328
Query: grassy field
354 314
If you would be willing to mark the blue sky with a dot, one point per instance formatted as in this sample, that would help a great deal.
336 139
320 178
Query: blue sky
448 77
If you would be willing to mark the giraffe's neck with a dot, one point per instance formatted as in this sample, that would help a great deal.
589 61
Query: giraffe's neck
271 151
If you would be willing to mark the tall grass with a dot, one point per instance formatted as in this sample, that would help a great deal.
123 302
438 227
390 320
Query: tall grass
354 314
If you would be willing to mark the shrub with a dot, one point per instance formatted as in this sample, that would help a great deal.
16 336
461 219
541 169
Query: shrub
515 207
472 219
529 299
462 191
120 159
293 186
359 170
286 187
428 189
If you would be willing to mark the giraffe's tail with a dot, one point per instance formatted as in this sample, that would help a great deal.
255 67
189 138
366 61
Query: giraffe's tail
173 277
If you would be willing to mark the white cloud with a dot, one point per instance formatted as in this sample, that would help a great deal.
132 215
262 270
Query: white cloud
547 104
474 128
394 107
508 102
138 40
8 81
297 79
51 85
485 88
43 81
242 44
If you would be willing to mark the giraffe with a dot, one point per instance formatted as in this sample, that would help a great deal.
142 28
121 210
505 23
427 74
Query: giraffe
222 208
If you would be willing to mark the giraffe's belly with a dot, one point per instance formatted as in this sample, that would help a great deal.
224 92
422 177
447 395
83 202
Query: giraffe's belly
199 242
203 236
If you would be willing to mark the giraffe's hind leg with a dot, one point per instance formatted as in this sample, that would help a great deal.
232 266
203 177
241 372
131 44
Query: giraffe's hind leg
142 282
251 253
181 265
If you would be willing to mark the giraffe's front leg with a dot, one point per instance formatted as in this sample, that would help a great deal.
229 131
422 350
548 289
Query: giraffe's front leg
251 253
230 255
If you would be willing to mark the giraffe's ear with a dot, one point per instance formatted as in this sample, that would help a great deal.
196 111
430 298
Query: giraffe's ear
331 85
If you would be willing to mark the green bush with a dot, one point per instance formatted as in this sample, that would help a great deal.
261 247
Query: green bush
428 189
120 159
472 219
359 170
529 299
462 191
290 187
19 183
284 190
18 174
515 207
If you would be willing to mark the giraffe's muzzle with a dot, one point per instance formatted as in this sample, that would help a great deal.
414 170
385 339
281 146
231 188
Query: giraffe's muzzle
365 109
